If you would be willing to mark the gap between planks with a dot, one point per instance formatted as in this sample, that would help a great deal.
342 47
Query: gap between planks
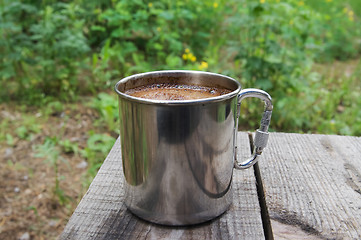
279 230
266 221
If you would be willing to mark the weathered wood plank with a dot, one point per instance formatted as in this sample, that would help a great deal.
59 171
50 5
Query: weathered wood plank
101 213
314 182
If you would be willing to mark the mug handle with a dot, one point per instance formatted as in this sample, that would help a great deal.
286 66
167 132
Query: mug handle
261 138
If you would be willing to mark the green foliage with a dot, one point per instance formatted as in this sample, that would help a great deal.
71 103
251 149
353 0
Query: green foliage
69 147
336 106
140 36
107 106
42 46
277 44
9 139
271 47
22 132
98 146
53 107
25 127
337 29
50 151
52 51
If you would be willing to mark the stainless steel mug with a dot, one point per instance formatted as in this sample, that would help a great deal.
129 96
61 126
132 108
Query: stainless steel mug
178 155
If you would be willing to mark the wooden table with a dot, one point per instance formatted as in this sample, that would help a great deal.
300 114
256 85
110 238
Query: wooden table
305 187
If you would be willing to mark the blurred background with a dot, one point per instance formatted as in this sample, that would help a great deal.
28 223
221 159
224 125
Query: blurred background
59 61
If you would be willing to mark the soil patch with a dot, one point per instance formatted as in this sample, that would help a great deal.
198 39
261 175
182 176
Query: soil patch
38 195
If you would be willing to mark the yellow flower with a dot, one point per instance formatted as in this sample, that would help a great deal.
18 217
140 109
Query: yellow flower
187 55
150 4
345 10
301 3
203 65
262 1
159 29
291 22
215 5
350 15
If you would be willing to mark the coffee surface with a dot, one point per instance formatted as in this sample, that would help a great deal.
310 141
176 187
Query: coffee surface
169 91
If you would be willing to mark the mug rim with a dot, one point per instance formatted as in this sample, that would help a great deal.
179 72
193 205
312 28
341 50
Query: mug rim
177 102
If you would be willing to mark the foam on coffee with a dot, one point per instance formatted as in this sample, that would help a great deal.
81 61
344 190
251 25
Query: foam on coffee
171 91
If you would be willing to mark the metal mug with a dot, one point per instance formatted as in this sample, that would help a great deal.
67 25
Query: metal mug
178 155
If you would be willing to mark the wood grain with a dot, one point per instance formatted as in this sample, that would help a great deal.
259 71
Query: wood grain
314 182
101 214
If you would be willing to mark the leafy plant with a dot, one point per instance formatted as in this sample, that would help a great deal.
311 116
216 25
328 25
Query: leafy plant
275 51
41 45
98 147
69 147
337 29
107 106
147 36
51 153
9 139
50 52
22 132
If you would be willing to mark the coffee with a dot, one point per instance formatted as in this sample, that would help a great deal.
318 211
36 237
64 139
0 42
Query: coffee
172 91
